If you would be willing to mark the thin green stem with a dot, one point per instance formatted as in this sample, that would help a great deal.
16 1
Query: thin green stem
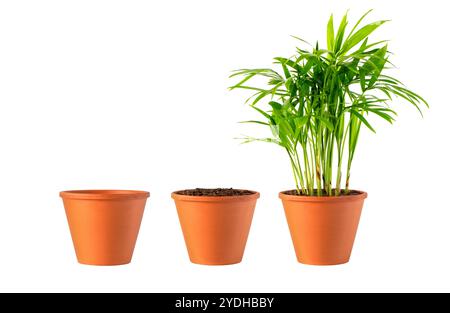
330 165
312 167
299 170
296 168
318 170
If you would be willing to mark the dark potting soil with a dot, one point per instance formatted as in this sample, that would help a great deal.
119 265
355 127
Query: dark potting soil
324 194
218 192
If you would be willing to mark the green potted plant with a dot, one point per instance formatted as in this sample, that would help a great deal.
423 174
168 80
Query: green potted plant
316 105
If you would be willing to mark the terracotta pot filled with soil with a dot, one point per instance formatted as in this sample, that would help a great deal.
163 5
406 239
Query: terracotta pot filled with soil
215 223
104 224
323 228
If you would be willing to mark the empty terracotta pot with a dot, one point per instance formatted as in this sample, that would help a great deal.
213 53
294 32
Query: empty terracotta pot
104 224
323 229
215 228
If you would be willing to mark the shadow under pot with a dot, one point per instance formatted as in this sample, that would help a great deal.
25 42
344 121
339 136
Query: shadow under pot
323 229
104 224
215 223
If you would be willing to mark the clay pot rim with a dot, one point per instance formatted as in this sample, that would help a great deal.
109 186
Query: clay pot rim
103 194
255 195
361 196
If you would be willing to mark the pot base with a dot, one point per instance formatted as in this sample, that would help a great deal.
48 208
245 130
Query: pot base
103 264
207 263
312 263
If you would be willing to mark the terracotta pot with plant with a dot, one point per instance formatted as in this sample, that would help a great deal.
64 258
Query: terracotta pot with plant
317 105
215 223
104 224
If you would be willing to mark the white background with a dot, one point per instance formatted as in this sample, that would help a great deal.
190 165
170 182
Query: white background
133 94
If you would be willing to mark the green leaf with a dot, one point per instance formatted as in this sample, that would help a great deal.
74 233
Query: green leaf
275 105
267 72
390 80
381 114
302 40
275 129
385 91
255 122
412 94
360 35
326 122
287 74
366 47
375 65
289 63
330 34
301 121
246 87
291 87
359 22
363 119
340 34
355 126
363 45
266 115
248 77
362 79
251 139
261 95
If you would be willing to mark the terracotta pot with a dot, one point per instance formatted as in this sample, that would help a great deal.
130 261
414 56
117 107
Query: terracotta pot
323 229
104 224
215 228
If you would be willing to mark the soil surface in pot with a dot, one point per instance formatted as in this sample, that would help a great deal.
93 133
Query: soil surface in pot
217 192
324 194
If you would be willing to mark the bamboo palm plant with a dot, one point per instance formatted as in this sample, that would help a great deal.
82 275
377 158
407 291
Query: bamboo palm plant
320 98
